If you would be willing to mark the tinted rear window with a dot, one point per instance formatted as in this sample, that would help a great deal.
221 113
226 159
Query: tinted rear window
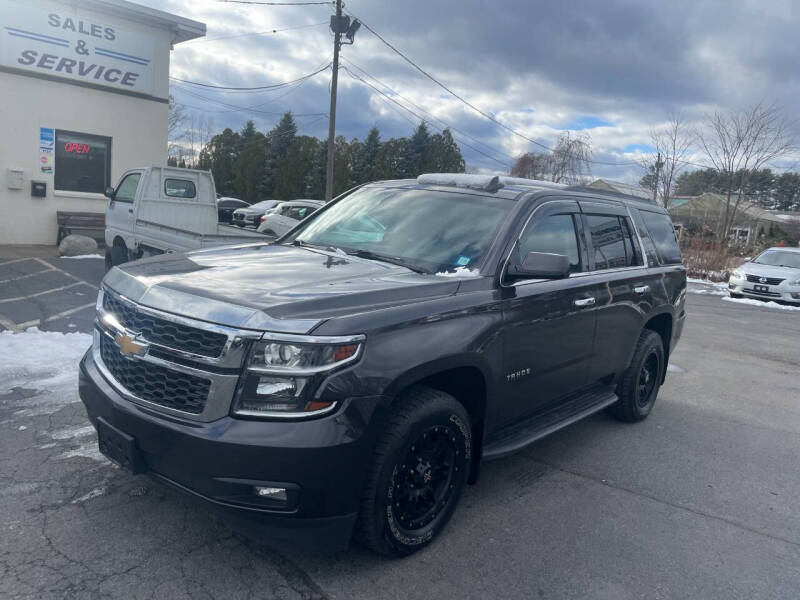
662 233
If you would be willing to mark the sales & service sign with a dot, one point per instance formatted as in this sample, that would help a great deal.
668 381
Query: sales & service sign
74 45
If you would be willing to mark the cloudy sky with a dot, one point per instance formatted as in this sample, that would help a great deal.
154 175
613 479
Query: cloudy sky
613 69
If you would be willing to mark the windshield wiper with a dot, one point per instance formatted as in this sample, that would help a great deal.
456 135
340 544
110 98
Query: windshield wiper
395 260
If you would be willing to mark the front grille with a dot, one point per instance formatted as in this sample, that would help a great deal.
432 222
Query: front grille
769 280
155 383
164 332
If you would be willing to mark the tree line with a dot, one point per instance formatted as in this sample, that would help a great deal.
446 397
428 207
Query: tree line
282 165
766 188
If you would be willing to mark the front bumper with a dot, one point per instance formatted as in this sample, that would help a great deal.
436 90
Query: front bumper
781 293
322 461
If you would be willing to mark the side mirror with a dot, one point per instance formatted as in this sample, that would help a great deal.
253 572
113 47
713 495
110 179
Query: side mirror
540 265
110 193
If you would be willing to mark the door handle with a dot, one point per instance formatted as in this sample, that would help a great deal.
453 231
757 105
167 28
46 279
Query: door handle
641 289
582 302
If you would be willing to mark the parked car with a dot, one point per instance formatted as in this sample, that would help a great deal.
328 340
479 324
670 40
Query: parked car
286 215
250 216
153 210
772 275
226 206
352 377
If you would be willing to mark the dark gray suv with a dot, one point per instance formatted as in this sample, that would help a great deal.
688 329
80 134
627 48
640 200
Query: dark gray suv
350 377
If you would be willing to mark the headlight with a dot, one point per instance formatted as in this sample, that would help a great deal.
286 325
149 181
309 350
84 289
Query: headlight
737 274
283 371
795 282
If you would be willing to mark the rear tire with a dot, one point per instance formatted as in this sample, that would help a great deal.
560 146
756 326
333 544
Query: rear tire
418 472
639 386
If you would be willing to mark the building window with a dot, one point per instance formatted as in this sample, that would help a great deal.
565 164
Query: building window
83 162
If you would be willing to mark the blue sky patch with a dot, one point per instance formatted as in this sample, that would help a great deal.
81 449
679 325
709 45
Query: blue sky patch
587 122
638 148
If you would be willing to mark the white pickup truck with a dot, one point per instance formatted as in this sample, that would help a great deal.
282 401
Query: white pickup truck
164 209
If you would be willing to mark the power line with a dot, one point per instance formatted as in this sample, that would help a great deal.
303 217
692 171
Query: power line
236 108
256 88
364 81
434 117
240 35
472 106
273 3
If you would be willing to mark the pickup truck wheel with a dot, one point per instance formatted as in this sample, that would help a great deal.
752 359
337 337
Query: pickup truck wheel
735 295
417 475
640 384
116 255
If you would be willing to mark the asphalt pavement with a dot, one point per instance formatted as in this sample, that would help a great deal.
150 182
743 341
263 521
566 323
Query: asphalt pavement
702 500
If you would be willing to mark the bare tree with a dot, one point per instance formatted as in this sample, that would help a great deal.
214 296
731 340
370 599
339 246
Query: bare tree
738 143
671 143
568 162
176 120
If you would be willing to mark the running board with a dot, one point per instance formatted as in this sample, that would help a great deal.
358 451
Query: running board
543 423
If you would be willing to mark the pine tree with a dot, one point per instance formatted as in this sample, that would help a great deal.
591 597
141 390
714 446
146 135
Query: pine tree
279 139
442 155
294 170
250 164
366 157
219 156
417 146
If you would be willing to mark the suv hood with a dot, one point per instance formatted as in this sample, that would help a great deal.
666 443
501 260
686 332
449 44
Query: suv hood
271 287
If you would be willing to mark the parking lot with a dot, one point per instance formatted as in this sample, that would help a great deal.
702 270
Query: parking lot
702 500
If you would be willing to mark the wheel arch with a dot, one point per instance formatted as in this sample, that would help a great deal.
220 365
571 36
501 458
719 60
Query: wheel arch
466 377
662 324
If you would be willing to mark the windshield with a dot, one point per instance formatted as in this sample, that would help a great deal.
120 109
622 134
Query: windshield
427 230
264 204
778 258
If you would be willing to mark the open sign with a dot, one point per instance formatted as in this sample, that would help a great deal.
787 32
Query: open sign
77 148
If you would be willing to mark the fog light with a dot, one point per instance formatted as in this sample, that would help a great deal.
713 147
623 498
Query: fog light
796 295
273 493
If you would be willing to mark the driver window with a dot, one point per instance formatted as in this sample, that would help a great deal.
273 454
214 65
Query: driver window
554 234
126 191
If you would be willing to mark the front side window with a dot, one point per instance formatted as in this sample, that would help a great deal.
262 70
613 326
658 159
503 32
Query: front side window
553 235
82 162
429 230
612 242
663 235
126 190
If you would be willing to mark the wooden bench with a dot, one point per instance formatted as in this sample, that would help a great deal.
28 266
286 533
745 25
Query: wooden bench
92 224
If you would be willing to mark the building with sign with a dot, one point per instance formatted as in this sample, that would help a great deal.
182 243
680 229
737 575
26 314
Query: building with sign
85 97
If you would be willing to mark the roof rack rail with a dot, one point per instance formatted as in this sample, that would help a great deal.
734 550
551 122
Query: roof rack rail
531 182
592 190
486 183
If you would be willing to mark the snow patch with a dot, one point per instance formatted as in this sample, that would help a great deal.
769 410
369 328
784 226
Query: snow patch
72 433
85 256
460 272
761 303
93 494
675 369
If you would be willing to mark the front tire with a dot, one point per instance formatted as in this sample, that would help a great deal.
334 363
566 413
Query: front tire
735 295
639 386
116 255
417 475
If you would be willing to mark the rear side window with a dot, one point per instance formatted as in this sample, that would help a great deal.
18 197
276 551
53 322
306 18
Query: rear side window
662 233
554 235
612 242
179 188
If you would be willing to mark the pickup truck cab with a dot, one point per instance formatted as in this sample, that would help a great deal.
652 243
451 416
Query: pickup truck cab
154 210
349 378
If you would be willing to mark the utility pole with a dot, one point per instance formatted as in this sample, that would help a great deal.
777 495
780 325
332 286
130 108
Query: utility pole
337 43
659 164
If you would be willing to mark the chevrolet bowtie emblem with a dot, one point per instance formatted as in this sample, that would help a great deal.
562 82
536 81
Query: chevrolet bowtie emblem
128 346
